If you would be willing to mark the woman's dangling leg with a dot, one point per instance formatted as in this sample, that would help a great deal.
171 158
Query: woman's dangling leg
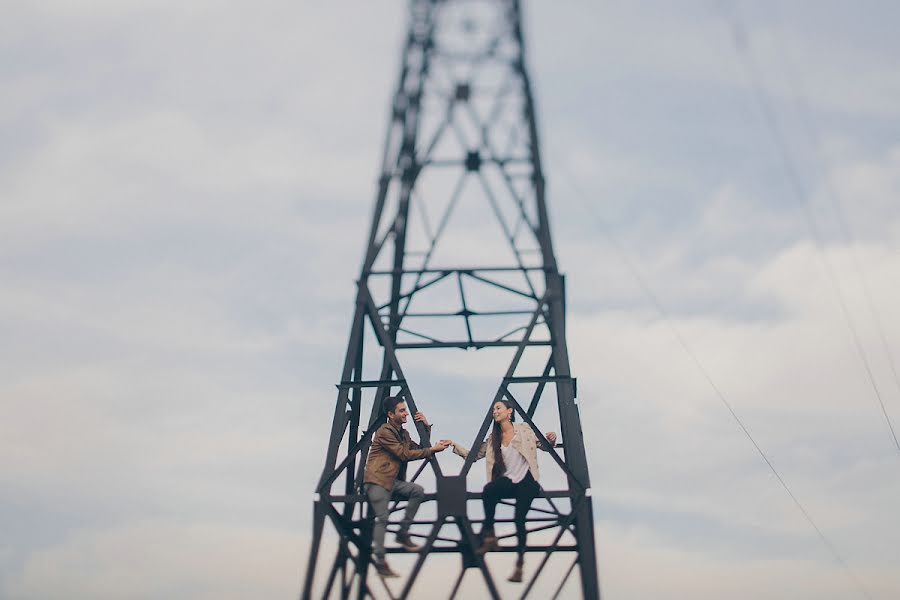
490 497
526 491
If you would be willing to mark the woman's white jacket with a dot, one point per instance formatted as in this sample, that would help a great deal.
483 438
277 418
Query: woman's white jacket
525 441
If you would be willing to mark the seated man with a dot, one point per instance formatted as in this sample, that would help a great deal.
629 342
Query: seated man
391 449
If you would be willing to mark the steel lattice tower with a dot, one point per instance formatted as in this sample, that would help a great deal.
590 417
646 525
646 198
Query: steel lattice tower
459 256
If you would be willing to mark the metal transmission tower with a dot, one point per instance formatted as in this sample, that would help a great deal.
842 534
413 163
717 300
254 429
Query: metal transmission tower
459 256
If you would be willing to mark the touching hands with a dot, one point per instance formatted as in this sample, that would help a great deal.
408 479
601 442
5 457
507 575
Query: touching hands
441 446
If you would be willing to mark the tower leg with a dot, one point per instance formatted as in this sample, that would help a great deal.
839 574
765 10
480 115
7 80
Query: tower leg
318 523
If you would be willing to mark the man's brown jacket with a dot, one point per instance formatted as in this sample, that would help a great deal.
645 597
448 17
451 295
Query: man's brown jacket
391 449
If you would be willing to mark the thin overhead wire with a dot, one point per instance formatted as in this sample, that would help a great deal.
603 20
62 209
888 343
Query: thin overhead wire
798 187
820 158
667 319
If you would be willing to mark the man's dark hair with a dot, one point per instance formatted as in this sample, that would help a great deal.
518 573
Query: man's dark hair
390 404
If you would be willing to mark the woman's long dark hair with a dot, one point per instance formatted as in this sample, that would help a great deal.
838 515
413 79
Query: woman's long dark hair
499 466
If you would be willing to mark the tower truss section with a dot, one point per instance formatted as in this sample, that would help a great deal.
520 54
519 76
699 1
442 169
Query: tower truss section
459 263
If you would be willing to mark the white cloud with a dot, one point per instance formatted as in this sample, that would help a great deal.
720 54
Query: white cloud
627 555
185 197
164 559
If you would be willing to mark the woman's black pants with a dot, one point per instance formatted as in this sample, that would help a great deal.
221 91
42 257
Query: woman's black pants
524 492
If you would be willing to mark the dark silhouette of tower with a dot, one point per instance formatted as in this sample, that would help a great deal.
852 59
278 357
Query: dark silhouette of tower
459 256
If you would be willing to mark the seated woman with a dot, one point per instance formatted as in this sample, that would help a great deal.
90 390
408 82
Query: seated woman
512 472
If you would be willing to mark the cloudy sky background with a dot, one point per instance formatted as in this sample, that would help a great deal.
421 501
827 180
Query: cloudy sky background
184 192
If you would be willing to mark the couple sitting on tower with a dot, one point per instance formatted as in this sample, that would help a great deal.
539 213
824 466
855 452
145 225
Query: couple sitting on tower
512 472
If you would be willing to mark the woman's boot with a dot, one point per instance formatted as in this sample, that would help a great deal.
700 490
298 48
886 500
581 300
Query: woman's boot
488 541
516 576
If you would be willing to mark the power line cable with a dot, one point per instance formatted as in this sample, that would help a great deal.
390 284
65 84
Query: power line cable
796 181
836 199
664 314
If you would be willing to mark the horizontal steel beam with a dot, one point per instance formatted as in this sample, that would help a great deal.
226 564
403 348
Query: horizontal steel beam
455 549
472 344
537 379
371 383
464 270
430 496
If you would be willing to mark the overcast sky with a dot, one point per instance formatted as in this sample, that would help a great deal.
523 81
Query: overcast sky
184 195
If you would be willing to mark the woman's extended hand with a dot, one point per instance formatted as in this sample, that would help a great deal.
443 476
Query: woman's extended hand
440 446
551 437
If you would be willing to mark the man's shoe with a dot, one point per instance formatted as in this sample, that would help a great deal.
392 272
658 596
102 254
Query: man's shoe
516 576
404 540
488 542
383 569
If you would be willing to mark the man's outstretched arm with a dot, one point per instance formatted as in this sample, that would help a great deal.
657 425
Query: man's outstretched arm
408 451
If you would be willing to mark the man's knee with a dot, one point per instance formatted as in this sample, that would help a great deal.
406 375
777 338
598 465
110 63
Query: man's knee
382 514
378 499
416 491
